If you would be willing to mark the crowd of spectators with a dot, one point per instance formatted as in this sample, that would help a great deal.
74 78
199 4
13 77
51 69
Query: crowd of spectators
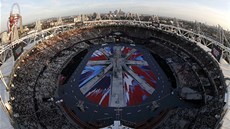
36 77
199 71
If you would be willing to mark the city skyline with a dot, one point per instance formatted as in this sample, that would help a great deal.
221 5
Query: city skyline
211 12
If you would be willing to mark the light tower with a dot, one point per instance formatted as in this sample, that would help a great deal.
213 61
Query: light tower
223 40
155 21
38 26
175 22
197 28
156 18
59 21
222 36
98 16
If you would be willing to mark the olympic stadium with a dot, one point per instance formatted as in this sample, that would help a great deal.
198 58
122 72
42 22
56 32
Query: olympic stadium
114 74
